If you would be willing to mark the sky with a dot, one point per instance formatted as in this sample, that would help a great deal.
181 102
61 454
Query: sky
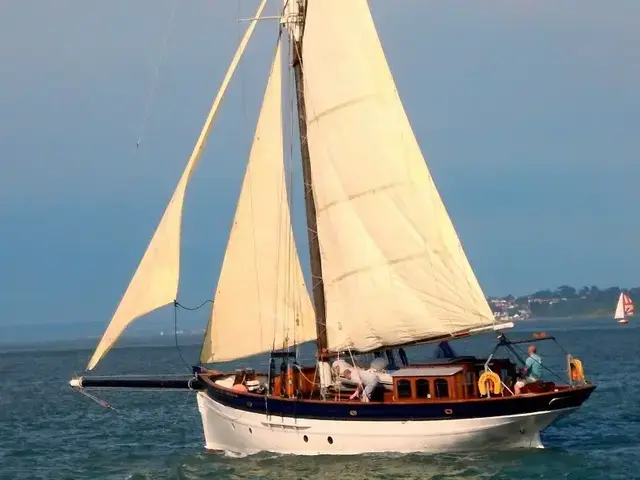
528 114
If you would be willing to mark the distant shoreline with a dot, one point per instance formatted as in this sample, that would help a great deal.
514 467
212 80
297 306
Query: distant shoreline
590 316
563 302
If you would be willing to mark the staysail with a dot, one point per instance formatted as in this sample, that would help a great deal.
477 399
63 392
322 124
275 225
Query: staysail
155 282
394 269
261 302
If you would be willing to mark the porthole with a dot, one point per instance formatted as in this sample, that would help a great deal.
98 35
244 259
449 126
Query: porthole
448 411
249 404
305 438
353 413
330 440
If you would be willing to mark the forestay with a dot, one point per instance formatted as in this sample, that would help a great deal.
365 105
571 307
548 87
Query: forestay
394 270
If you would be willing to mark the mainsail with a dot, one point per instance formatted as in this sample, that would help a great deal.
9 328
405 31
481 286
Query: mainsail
155 282
394 269
261 302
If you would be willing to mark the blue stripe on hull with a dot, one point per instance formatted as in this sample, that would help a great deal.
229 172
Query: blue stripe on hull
401 411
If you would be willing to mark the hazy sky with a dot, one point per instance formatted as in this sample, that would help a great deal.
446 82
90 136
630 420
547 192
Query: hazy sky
528 113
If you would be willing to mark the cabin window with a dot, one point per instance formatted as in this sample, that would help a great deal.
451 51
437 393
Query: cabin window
422 388
470 384
442 388
404 389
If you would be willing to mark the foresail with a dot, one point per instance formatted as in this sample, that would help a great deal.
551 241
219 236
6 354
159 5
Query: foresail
261 301
394 269
155 282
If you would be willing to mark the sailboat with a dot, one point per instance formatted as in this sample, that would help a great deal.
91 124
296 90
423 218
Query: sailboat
388 272
624 308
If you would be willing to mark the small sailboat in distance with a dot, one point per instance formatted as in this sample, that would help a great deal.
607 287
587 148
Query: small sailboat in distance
624 309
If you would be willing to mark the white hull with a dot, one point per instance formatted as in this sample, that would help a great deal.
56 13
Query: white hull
242 432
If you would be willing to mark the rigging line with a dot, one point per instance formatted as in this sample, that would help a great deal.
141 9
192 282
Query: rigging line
289 184
299 368
178 304
99 401
286 187
156 74
175 333
240 72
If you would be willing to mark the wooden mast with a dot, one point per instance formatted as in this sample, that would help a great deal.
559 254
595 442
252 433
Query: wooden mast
317 284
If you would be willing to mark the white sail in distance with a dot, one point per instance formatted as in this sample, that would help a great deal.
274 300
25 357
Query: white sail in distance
156 280
393 267
261 302
619 313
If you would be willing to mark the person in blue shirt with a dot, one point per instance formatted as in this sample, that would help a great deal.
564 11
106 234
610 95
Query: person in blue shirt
532 370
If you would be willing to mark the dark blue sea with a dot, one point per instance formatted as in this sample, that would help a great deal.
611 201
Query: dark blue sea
48 431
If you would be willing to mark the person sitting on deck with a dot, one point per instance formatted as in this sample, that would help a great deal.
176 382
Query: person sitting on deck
532 370
367 383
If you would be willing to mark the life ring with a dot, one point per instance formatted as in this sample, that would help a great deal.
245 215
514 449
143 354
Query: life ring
489 382
576 370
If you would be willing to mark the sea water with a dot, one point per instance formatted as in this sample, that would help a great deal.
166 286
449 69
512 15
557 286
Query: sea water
48 431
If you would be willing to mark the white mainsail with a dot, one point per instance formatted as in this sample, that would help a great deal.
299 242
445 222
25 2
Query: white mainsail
619 314
261 302
155 282
394 269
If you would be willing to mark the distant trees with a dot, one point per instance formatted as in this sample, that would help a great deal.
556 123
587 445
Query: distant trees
566 301
544 294
565 291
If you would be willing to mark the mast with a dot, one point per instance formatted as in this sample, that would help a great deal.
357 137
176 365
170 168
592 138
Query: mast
317 284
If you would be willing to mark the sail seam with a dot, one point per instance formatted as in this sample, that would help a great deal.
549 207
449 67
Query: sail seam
358 195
